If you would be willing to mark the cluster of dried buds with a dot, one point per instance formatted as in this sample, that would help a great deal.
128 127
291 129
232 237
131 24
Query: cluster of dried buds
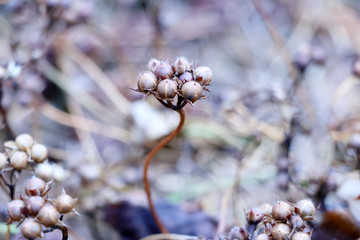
280 221
36 211
166 80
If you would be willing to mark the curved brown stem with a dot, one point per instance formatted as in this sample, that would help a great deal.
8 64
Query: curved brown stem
146 167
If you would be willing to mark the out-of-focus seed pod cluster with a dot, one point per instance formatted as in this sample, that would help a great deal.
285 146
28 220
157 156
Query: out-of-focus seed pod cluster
166 80
35 209
281 221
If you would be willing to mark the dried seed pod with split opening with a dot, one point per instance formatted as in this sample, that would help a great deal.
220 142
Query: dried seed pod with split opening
31 229
192 91
203 75
306 209
181 65
48 215
153 64
19 160
164 71
280 231
255 215
65 203
35 186
15 210
167 89
39 153
146 81
282 210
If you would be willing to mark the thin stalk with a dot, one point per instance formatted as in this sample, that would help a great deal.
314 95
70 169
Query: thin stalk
146 167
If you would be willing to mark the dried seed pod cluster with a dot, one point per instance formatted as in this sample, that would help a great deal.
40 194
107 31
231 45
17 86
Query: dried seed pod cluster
166 80
281 221
35 209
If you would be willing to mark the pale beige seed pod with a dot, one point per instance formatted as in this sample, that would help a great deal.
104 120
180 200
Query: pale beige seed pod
39 153
192 91
306 209
48 215
19 160
35 186
65 203
44 171
3 160
146 81
15 209
164 71
282 210
266 208
181 65
166 89
254 215
31 229
280 231
153 64
24 141
300 236
34 204
203 75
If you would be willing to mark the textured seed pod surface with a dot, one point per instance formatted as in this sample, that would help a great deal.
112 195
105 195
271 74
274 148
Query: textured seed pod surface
146 81
203 75
191 91
39 153
280 231
24 141
48 215
15 209
282 210
166 89
19 160
30 229
35 186
65 203
34 204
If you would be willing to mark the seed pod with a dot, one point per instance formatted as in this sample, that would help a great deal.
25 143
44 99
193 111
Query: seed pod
186 77
65 203
164 71
282 210
48 215
203 75
44 171
146 81
181 65
19 160
254 215
3 161
297 222
306 209
39 153
266 208
238 233
31 229
263 236
24 141
300 236
280 231
191 91
34 204
153 64
35 186
15 209
166 89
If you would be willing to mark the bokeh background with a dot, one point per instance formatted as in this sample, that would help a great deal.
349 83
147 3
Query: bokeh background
281 121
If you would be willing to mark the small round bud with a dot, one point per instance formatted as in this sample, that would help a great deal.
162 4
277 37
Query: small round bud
48 215
166 89
3 161
306 209
164 71
146 81
238 233
24 141
181 65
255 215
34 204
31 229
65 203
35 186
19 160
191 91
300 236
203 75
39 153
263 236
186 77
153 64
282 210
297 222
280 231
15 209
